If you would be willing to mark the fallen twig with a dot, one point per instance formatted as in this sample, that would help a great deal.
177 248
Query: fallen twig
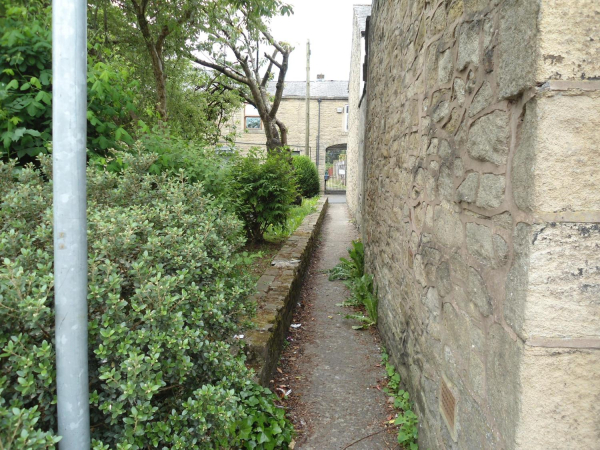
362 439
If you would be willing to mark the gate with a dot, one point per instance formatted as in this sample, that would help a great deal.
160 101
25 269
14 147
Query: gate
336 169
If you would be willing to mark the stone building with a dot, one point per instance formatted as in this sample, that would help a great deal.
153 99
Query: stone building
357 114
481 215
328 119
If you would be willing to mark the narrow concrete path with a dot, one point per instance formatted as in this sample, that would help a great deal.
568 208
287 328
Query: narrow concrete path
338 366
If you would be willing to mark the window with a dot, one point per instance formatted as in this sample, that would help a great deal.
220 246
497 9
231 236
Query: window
251 118
346 114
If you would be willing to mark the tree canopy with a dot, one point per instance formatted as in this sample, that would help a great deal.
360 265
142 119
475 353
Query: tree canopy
239 46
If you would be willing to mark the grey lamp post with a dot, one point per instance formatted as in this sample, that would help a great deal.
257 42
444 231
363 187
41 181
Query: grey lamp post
69 106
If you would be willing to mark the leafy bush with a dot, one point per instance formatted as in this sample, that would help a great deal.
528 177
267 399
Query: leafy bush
199 163
294 220
307 176
26 88
263 190
167 293
25 94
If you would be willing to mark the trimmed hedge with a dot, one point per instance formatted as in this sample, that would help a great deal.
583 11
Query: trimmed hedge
167 293
307 176
263 190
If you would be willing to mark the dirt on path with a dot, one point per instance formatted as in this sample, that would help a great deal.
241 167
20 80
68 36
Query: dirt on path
333 371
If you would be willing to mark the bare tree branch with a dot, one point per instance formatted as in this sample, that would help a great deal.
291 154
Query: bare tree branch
273 61
268 72
242 94
280 85
224 70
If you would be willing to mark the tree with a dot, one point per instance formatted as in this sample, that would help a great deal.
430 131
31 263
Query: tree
236 33
166 28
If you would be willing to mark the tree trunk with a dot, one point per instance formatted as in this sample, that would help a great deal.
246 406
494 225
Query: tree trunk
274 141
161 81
155 51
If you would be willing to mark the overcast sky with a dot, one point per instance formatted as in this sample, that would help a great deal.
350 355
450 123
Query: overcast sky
328 25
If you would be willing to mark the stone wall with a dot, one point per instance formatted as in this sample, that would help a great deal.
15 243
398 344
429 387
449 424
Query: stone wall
292 112
482 215
278 292
357 111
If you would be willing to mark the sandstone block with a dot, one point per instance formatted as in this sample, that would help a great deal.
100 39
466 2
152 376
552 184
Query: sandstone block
517 40
455 119
488 138
432 301
459 168
503 359
472 422
482 99
446 184
570 40
442 279
491 191
468 45
488 248
459 91
455 331
503 220
563 291
445 68
475 6
440 111
455 10
458 268
447 227
444 150
478 293
555 167
467 191
560 407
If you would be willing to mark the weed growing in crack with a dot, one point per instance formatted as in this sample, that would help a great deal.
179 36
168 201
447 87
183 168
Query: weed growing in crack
360 284
406 419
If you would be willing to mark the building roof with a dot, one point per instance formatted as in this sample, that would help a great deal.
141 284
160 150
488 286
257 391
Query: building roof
318 89
361 12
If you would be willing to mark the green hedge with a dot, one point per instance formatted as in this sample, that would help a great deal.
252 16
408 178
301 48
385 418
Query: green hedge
262 190
307 176
167 294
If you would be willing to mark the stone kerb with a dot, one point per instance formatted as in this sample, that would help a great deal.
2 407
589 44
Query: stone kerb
278 290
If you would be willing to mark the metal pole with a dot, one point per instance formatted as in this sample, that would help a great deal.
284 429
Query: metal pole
307 142
69 105
319 137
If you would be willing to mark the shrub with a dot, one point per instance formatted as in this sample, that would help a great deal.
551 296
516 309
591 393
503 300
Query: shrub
294 220
263 190
26 87
307 176
167 293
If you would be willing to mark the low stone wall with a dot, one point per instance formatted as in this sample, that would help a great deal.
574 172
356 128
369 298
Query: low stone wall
278 291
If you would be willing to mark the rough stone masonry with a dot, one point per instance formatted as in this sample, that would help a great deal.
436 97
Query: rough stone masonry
482 215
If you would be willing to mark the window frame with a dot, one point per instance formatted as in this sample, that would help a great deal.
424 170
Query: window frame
251 116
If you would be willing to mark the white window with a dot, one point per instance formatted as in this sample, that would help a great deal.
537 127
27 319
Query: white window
251 118
346 114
